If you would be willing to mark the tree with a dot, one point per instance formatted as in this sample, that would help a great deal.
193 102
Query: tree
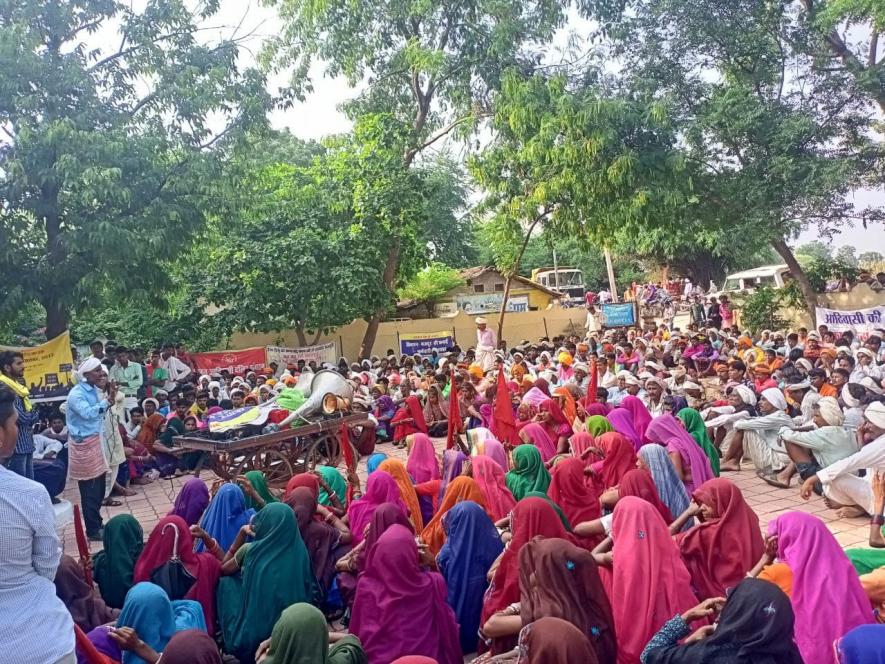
108 154
778 146
845 254
577 163
430 284
816 250
448 230
431 65
870 258
304 245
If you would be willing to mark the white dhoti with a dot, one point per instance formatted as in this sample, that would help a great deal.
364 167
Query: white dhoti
767 456
485 358
851 490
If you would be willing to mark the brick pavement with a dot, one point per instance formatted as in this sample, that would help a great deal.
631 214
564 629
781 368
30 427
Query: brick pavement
153 501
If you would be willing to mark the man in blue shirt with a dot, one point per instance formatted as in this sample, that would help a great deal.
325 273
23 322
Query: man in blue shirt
12 373
87 404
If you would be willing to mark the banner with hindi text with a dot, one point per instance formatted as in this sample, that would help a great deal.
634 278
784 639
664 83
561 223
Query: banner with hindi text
319 354
49 368
863 322
424 344
234 361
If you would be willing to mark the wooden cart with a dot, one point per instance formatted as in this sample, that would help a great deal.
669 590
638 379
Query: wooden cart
278 455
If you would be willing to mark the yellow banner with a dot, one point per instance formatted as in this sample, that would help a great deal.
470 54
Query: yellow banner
49 368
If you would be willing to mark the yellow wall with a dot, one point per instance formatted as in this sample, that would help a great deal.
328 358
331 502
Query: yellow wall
859 297
529 325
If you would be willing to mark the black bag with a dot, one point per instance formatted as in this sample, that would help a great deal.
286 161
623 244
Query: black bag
172 576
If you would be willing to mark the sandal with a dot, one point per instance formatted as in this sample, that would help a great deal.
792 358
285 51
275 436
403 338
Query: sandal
110 502
772 480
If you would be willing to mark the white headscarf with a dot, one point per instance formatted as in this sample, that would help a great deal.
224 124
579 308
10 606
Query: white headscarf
830 411
746 394
849 400
875 413
775 397
88 365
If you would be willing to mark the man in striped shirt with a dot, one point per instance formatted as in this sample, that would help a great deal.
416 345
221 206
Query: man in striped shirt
12 373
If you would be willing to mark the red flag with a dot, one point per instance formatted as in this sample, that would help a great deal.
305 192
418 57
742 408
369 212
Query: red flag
455 421
594 382
346 447
504 426
82 545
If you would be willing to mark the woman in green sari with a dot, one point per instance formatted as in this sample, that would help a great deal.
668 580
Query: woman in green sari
335 482
275 573
529 472
694 424
302 637
597 425
113 567
254 486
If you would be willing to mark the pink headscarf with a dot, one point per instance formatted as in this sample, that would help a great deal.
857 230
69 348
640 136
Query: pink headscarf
535 397
641 417
541 439
399 609
495 451
649 581
380 488
622 421
827 597
422 463
667 430
596 408
490 478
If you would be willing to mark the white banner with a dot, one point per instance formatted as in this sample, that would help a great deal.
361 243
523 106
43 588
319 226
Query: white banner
863 322
319 354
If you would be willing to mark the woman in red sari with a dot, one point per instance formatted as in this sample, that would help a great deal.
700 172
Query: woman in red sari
727 542
205 567
619 459
408 419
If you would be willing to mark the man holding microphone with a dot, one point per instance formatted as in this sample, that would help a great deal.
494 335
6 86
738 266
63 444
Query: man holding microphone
86 407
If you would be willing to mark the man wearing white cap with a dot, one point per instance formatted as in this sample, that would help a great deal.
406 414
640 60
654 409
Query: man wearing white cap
758 436
844 490
85 411
866 366
486 344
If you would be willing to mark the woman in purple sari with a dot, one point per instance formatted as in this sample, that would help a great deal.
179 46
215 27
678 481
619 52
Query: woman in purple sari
191 501
622 421
691 463
400 608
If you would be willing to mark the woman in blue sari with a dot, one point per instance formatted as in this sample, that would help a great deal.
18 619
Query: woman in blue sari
225 516
472 545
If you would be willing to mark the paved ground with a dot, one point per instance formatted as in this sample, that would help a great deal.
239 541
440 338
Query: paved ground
155 500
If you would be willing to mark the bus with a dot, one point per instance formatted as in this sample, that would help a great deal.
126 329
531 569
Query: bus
567 280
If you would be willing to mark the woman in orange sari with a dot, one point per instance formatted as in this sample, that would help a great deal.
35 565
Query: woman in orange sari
397 470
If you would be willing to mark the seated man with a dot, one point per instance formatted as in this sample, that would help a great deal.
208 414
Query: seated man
810 450
758 436
51 457
843 490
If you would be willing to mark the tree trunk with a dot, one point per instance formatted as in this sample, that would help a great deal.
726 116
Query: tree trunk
784 251
504 306
514 272
299 334
389 278
57 317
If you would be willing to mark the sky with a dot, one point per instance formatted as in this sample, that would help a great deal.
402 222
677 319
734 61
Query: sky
319 114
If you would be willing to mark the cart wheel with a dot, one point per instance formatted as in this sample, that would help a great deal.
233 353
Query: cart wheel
325 451
224 466
273 463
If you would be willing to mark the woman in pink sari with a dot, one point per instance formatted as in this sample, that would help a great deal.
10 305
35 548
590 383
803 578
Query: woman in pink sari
401 609
622 421
380 488
691 463
641 417
495 451
490 478
537 435
649 583
827 597
422 463
556 424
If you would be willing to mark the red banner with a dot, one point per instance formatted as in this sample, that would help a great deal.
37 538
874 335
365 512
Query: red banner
235 361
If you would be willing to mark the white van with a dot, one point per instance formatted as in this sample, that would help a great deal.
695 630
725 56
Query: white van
774 276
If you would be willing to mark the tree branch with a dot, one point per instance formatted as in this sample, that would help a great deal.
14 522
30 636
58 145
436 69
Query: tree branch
435 137
874 47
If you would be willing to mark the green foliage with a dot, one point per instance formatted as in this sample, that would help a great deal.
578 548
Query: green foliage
110 154
870 257
846 255
814 250
762 309
447 230
582 163
820 271
429 285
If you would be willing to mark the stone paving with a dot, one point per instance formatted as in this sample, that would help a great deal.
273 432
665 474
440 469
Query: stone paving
154 501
